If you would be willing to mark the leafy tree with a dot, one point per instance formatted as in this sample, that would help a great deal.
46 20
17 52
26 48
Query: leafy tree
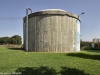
1 40
12 41
88 45
4 40
16 39
85 45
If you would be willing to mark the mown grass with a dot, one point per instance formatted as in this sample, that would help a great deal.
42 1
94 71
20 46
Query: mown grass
41 63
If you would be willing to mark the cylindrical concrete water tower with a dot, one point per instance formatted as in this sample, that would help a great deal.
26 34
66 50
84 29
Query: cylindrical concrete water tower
52 30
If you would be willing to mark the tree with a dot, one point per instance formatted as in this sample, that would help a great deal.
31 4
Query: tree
16 39
86 45
12 40
1 40
4 40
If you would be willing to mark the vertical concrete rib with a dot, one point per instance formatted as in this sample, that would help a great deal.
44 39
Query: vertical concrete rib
64 33
57 34
49 34
29 33
68 36
35 31
41 31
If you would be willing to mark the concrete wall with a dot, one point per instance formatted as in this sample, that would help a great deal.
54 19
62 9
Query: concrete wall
52 33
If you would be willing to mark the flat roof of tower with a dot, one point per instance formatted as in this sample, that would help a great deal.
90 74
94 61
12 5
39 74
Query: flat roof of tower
53 10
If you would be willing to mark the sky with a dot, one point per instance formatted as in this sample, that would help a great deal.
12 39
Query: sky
9 9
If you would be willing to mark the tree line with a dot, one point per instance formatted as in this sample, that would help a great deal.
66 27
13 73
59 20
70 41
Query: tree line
88 45
16 39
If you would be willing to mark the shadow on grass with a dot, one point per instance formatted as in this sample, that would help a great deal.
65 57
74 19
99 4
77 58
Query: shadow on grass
48 71
36 71
83 55
72 71
15 48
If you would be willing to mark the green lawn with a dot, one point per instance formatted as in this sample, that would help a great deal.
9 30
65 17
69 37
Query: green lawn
18 62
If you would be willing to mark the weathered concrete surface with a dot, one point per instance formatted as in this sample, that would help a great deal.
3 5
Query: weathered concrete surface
52 31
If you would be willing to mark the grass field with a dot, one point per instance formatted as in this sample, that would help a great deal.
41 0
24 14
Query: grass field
18 62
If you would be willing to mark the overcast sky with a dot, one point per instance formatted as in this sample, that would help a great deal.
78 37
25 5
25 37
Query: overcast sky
90 21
